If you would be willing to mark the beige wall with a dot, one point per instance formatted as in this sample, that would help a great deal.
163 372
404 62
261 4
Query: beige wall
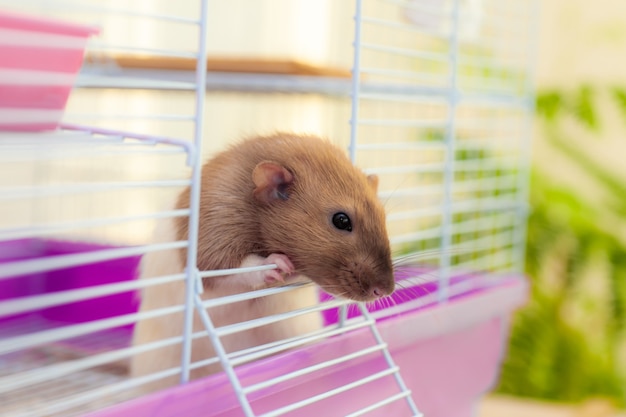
583 42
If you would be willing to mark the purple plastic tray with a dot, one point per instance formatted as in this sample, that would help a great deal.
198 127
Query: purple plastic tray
99 273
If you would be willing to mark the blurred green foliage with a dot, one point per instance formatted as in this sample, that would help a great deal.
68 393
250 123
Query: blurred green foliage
569 342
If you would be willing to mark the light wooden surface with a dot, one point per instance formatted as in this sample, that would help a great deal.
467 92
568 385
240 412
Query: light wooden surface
222 64
500 406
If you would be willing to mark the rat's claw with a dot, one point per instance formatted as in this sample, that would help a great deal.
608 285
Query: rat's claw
273 277
282 262
284 267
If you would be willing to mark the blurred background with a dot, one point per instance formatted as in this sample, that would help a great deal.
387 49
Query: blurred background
569 343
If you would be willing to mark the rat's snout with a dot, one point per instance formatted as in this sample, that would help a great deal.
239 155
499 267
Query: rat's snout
363 280
374 285
381 289
374 291
372 279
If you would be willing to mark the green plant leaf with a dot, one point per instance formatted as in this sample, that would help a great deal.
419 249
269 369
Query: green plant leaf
549 104
619 94
583 107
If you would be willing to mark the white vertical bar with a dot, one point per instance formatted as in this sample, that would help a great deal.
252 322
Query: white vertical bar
194 203
354 112
343 315
356 75
525 144
450 142
356 79
194 284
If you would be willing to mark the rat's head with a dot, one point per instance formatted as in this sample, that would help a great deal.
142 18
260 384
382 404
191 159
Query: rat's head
323 213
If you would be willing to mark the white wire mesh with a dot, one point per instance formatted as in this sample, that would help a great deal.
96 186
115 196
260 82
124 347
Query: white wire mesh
448 122
78 208
44 341
441 115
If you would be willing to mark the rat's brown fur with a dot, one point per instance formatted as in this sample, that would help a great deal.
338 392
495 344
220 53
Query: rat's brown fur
234 223
263 196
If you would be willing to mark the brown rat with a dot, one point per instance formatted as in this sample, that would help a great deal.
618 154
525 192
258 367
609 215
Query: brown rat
290 200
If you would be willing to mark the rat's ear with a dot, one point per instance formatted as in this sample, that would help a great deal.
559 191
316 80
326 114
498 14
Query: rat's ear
373 180
271 180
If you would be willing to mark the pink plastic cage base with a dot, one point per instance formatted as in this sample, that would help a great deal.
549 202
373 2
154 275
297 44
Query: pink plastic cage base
39 61
448 353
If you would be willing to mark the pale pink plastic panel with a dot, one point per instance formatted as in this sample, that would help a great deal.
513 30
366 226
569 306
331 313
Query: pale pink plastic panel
449 356
39 62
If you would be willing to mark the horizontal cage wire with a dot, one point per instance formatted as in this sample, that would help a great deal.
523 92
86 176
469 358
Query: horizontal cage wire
439 102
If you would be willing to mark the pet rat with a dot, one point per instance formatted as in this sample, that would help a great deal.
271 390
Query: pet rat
285 199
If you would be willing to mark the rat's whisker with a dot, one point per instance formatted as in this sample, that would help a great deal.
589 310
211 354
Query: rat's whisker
401 259
390 301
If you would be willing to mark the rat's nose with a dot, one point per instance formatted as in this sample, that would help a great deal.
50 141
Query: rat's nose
378 292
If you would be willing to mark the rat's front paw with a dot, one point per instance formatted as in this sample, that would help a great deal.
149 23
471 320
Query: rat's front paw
284 268
262 279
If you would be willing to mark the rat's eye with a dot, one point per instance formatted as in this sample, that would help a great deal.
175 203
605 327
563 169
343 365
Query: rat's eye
342 222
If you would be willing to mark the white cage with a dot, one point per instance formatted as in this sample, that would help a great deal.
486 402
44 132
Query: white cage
439 103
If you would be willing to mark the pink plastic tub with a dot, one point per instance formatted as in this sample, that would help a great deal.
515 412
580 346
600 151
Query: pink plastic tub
449 355
39 62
